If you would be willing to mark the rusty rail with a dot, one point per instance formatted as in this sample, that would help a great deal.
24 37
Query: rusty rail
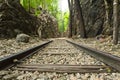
11 60
107 58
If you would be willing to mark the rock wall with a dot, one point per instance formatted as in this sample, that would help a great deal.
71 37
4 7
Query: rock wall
48 26
94 13
93 16
14 19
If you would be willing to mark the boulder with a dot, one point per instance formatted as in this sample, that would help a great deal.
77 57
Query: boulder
48 26
22 38
13 17
94 14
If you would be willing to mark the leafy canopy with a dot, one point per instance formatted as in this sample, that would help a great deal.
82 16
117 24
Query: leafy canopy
52 6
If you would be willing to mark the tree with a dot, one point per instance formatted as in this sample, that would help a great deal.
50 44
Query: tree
80 17
107 14
115 21
70 3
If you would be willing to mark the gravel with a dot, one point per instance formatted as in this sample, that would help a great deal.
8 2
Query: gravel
77 56
103 44
10 46
58 46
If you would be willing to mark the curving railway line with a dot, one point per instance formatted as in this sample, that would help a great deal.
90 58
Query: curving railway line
61 56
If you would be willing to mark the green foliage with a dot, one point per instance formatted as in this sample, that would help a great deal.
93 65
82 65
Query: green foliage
66 18
52 7
63 18
49 5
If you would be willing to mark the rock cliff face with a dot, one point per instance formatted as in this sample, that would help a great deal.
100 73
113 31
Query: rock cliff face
95 13
48 26
14 17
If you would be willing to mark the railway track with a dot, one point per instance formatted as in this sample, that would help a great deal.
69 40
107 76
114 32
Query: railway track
61 56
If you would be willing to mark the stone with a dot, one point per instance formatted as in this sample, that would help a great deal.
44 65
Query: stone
43 78
10 76
22 38
2 73
78 75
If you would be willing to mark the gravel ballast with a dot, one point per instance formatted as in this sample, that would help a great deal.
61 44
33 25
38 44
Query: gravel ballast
60 46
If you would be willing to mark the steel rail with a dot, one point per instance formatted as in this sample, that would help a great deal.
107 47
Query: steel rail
11 60
107 58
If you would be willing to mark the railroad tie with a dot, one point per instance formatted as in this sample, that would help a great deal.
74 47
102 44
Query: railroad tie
60 68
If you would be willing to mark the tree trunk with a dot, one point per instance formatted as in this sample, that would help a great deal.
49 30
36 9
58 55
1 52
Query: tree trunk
70 3
115 22
107 14
80 17
74 18
107 24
